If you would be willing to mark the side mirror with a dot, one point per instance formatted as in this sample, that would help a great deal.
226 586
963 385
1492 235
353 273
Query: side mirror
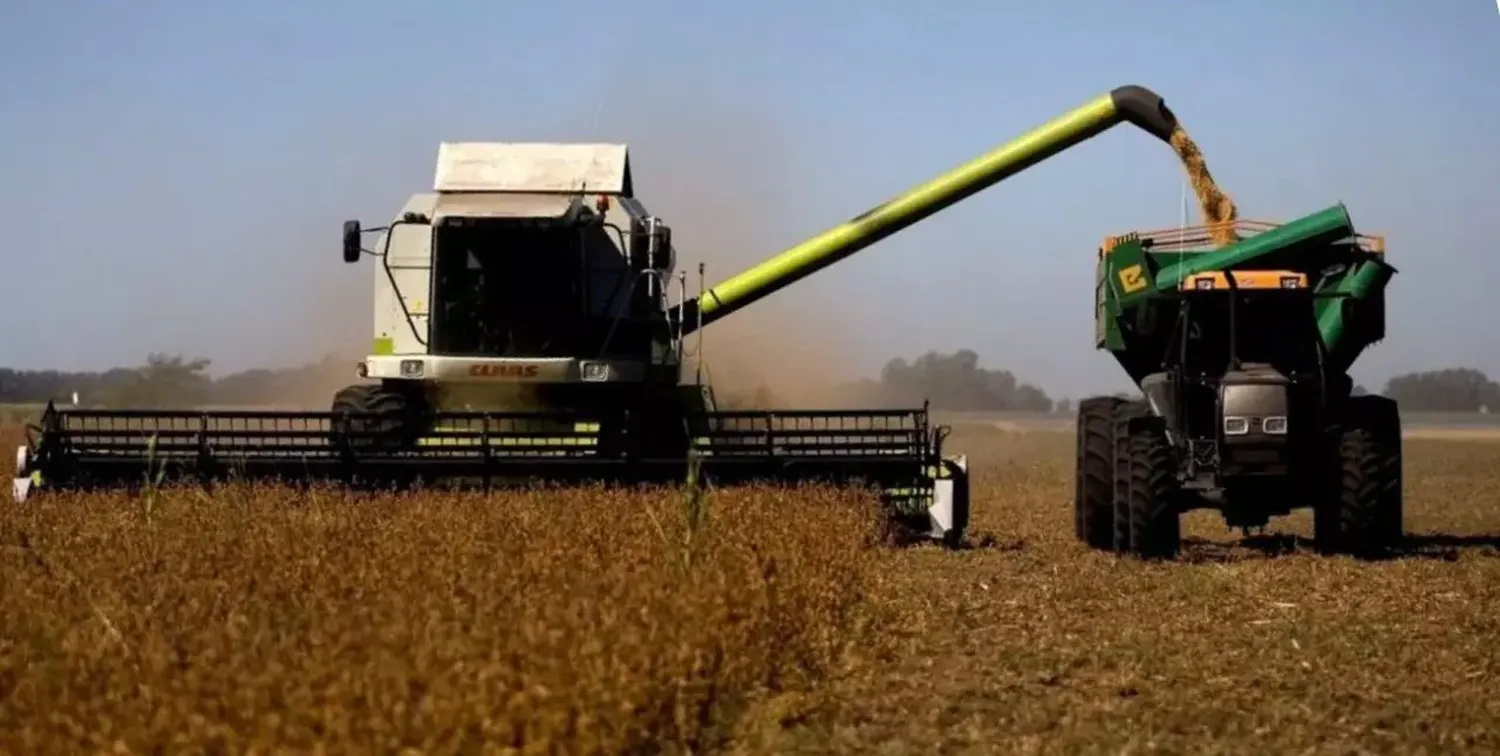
652 242
662 260
352 248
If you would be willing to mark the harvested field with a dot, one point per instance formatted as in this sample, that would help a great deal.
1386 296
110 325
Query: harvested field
570 621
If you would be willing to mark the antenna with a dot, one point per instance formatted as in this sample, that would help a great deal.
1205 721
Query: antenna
699 311
1182 205
1182 224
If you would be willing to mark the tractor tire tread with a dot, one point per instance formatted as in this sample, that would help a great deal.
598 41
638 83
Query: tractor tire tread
1120 450
1369 496
1094 482
1155 524
392 407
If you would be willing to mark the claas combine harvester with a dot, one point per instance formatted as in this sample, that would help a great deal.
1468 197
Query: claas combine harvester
525 331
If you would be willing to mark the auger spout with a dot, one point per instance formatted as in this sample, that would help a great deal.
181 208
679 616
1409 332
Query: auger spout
1127 104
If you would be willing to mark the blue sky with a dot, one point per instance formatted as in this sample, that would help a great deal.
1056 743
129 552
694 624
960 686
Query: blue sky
173 174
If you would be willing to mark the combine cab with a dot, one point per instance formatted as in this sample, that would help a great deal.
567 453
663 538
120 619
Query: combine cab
1242 355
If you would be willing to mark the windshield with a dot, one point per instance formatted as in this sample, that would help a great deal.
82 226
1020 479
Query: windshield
1278 328
508 290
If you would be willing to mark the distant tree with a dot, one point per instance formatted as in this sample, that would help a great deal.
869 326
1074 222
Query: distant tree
42 386
1448 390
953 381
1064 406
1358 390
173 381
165 381
957 382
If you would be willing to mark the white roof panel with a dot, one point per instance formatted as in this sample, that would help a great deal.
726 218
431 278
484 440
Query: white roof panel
508 205
531 167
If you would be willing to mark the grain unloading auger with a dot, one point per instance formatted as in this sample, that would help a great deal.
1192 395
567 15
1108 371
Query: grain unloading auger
533 276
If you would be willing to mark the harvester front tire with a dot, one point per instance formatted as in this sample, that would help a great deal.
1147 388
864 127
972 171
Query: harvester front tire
1367 512
1155 523
1093 486
396 427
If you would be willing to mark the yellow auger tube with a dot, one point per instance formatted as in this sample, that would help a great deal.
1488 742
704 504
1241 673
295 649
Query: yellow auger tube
1133 104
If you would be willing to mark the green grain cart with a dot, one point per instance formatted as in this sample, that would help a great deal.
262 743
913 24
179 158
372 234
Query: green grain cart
1242 355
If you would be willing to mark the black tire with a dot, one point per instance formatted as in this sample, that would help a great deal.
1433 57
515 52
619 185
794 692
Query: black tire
1155 522
1125 412
351 241
1326 516
1093 486
397 423
1365 514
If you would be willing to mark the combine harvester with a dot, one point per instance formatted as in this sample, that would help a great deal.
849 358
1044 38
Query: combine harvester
523 332
1242 354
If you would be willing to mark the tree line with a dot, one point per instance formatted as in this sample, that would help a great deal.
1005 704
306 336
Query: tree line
172 382
954 381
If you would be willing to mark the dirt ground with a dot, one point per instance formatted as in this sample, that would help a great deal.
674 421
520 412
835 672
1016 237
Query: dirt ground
1417 430
1031 643
1434 432
441 624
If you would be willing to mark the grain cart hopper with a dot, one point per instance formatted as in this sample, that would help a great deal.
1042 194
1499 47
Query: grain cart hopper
523 331
1242 355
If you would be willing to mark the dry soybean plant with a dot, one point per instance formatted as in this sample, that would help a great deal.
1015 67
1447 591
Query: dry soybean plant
556 619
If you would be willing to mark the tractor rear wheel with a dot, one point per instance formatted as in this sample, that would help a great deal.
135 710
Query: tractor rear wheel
378 418
1363 516
1154 520
1093 485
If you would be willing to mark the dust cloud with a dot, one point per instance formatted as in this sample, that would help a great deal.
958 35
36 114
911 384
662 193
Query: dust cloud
329 306
330 302
724 175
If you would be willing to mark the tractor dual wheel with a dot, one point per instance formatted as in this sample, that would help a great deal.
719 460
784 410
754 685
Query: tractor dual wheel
1144 518
1094 477
1125 487
1125 413
1149 509
1362 513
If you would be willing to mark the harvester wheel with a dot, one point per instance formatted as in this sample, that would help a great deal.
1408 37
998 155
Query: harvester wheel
1365 516
1155 523
396 427
1093 486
